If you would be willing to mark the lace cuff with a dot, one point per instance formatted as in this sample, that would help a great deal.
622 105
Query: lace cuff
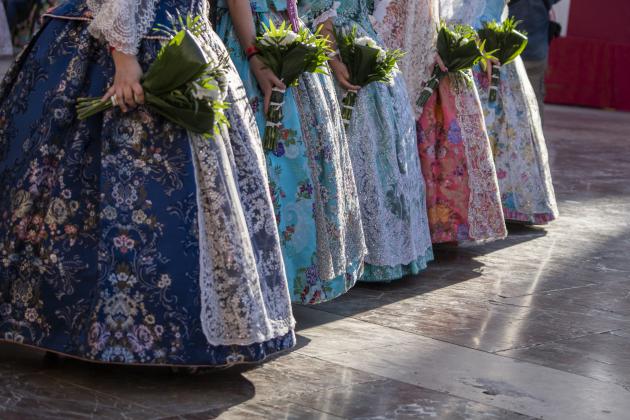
328 14
121 23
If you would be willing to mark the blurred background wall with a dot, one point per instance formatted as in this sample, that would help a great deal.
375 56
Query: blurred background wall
590 64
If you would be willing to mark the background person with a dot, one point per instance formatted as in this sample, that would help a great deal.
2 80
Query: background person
535 20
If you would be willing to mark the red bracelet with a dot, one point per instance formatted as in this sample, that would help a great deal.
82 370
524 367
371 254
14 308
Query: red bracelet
111 49
251 51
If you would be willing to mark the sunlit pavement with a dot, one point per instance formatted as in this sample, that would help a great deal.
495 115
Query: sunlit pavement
536 326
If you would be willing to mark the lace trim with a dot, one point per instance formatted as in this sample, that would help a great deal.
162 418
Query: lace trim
485 212
411 26
380 10
244 294
233 311
122 23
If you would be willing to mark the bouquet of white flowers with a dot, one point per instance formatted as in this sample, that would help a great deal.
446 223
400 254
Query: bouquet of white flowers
367 63
288 54
182 84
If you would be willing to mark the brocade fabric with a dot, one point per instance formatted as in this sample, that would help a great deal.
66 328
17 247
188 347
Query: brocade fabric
124 238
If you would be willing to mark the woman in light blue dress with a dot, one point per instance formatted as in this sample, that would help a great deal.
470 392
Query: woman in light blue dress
514 127
382 139
314 193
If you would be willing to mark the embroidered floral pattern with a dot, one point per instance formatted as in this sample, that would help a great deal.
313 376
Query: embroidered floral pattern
123 238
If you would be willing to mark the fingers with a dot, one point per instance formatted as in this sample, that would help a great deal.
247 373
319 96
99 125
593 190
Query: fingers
128 97
276 82
138 93
440 63
120 99
344 83
110 92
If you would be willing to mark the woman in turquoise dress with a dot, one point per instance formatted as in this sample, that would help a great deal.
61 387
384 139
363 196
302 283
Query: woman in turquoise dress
382 139
514 127
314 193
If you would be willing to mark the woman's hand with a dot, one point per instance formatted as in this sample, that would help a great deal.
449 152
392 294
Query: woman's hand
440 63
126 90
340 70
267 80
491 62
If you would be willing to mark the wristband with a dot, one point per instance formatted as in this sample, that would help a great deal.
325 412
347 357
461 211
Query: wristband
251 51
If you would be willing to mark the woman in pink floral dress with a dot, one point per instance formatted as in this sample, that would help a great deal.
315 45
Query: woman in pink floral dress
462 191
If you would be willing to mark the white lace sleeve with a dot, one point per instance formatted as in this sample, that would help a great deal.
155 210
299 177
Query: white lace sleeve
328 14
121 23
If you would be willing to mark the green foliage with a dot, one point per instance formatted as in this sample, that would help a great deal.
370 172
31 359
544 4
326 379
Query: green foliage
366 61
289 54
458 47
503 40
182 84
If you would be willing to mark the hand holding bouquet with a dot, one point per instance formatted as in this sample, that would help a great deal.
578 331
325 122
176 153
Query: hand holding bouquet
288 54
505 44
181 84
459 49
367 63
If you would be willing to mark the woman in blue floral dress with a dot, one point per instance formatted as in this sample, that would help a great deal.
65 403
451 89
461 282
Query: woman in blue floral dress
312 188
382 138
124 238
514 127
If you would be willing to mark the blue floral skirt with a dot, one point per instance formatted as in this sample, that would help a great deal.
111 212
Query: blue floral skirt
119 233
314 193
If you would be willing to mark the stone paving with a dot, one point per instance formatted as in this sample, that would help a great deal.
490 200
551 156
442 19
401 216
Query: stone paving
536 326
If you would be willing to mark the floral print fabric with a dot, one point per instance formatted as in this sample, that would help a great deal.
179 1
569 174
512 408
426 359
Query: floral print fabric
516 134
462 190
382 139
124 239
314 195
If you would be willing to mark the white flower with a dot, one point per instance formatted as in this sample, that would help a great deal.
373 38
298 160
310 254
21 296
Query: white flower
205 94
365 41
381 56
288 39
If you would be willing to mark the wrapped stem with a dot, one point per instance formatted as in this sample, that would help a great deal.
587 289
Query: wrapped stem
430 86
494 83
274 120
348 103
87 107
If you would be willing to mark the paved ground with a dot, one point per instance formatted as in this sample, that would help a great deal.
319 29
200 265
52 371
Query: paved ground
536 326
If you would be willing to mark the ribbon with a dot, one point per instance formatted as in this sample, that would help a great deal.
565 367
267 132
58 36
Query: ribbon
292 11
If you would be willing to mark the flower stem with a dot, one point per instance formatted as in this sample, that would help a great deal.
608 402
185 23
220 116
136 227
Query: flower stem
87 107
494 83
274 120
348 103
430 86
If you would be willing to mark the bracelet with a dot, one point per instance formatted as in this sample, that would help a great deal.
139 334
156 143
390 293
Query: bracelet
111 49
250 56
251 51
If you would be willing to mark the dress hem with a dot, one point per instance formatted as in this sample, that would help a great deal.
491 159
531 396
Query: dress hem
534 219
388 274
179 365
